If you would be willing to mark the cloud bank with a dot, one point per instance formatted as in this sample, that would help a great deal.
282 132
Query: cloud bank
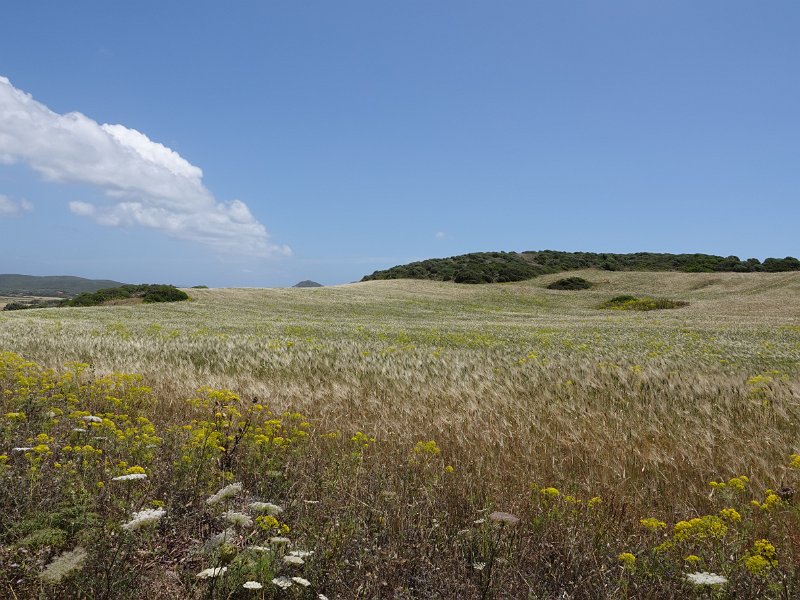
145 183
10 207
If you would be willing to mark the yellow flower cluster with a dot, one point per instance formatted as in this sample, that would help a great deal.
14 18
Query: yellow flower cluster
761 559
738 484
628 560
699 529
652 524
771 501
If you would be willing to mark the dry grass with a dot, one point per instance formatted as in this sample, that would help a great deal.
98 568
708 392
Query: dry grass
518 385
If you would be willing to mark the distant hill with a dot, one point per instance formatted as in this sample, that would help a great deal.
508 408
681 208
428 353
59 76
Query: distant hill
498 267
308 283
63 286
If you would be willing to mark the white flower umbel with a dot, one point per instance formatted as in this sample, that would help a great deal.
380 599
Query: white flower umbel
129 477
21 449
229 491
144 518
279 540
294 561
266 507
64 564
212 572
282 582
301 581
301 553
706 578
92 419
215 541
252 585
238 519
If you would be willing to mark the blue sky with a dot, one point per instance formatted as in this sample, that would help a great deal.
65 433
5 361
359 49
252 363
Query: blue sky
323 140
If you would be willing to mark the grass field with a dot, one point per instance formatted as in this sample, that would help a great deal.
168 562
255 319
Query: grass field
423 407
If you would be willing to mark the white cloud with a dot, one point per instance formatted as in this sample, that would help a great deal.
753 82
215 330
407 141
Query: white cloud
440 235
10 207
146 183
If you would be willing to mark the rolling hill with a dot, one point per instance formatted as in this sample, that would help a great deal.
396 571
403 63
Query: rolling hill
63 286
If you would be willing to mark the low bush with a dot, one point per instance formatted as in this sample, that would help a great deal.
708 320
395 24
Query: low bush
147 292
633 303
570 283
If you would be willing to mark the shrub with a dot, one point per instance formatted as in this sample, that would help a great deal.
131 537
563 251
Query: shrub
570 283
147 292
634 303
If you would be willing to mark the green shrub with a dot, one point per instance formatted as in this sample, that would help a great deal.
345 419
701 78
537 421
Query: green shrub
147 292
626 302
570 283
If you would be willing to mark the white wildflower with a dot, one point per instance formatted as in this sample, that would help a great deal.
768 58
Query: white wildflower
266 507
22 449
301 581
504 518
706 578
52 415
311 501
294 561
252 585
322 597
92 419
301 553
143 518
129 477
238 519
229 491
216 541
212 572
479 566
479 521
279 541
63 565
260 548
78 430
282 582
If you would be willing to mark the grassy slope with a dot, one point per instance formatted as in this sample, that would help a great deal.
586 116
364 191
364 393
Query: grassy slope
517 384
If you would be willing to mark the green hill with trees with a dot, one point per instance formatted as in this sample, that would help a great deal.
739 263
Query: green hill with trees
61 286
498 267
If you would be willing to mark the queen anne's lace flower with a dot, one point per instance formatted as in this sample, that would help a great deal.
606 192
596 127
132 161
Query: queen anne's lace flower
282 582
266 507
212 572
301 581
129 477
252 585
229 491
705 578
143 518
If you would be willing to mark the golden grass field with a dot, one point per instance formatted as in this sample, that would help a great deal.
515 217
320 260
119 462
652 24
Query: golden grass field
524 391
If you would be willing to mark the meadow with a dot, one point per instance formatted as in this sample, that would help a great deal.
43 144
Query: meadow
407 439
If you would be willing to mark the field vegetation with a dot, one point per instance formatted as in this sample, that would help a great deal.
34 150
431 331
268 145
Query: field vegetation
407 439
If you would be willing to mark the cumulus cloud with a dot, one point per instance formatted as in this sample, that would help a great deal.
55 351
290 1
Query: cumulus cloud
440 235
10 207
145 183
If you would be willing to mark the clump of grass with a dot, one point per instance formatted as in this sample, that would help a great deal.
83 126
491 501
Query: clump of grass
627 302
571 283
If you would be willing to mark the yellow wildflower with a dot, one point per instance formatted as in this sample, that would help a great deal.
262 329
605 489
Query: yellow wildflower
730 514
652 524
628 560
551 492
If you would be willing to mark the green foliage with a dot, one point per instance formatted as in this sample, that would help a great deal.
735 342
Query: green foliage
633 303
570 283
497 267
479 267
199 287
34 304
147 292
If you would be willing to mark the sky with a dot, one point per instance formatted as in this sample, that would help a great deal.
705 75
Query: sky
263 143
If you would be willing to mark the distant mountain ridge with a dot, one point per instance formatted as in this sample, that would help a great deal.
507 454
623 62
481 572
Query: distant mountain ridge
307 283
499 267
60 286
